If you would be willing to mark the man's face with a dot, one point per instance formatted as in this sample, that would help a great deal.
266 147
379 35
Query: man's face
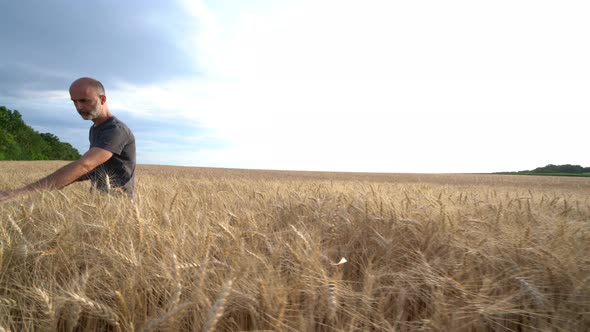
87 101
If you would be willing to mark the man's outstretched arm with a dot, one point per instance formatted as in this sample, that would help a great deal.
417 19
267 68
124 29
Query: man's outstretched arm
63 176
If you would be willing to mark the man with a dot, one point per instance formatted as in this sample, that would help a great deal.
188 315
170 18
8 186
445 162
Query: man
110 162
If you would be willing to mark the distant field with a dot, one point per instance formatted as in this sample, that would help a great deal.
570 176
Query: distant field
226 250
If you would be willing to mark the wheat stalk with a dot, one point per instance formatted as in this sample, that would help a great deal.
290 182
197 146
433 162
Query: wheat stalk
154 324
332 300
48 304
177 284
107 180
532 291
96 308
7 302
218 307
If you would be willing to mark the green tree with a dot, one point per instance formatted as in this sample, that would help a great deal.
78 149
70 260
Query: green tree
18 141
8 147
567 168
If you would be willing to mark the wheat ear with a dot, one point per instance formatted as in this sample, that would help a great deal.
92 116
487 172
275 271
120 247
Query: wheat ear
96 308
217 309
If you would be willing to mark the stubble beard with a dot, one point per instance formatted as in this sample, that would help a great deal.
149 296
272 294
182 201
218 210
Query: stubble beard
92 114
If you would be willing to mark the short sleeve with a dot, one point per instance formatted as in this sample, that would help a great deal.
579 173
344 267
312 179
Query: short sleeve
113 139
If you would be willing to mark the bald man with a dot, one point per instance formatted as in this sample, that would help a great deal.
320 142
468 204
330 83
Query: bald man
109 163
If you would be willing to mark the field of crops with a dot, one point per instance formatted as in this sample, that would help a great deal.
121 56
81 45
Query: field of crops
228 250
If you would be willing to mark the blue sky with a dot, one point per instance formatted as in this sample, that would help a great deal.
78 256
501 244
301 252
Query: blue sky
374 86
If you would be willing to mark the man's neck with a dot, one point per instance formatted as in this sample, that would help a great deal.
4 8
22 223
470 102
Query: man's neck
102 118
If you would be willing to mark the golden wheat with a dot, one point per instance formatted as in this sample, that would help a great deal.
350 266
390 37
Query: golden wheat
224 250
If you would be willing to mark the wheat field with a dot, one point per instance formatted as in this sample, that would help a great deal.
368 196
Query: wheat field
229 250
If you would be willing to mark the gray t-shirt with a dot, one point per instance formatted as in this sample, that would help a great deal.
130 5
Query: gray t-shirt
114 136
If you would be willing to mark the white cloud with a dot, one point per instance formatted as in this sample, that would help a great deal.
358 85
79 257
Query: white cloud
383 86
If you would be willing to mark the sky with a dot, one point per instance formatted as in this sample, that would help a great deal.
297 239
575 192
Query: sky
322 85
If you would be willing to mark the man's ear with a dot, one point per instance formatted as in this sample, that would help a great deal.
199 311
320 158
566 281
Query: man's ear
103 99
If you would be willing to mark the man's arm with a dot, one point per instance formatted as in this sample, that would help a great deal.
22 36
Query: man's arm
63 176
84 177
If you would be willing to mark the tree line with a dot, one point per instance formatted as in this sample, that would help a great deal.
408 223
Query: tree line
18 141
567 168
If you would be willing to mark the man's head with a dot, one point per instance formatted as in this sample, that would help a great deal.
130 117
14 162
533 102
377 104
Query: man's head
89 97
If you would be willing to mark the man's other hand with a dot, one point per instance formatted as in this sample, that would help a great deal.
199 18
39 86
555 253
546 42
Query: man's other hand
11 195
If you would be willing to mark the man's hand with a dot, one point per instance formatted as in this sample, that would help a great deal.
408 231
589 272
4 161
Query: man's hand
10 195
